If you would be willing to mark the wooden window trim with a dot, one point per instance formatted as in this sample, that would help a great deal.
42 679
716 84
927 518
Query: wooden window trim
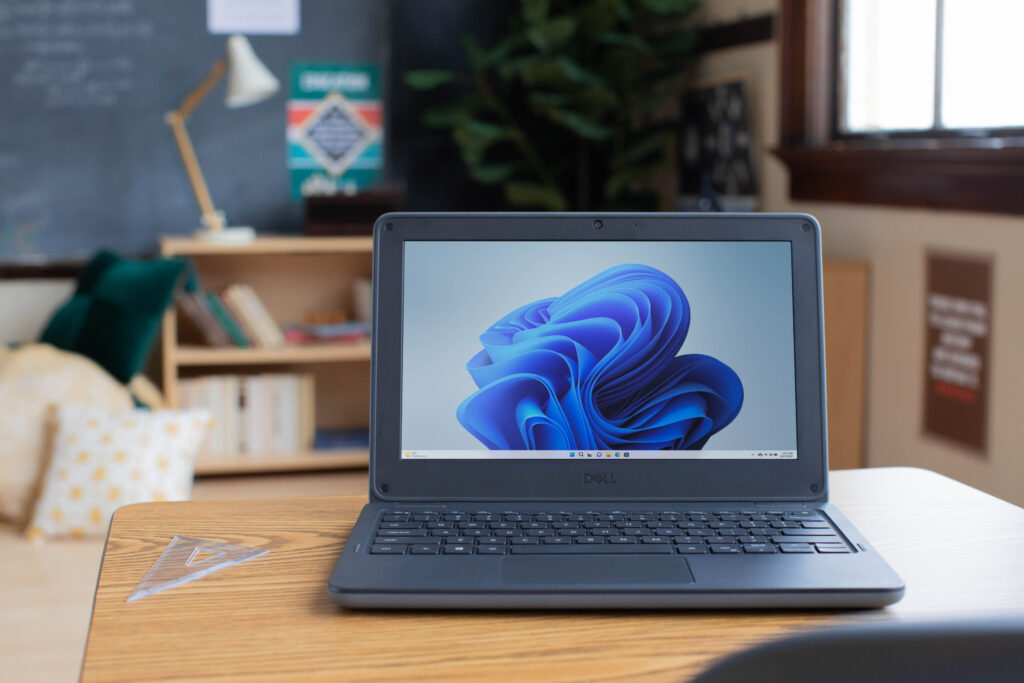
969 174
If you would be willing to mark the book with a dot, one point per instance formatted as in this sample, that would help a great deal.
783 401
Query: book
254 415
197 309
247 307
231 326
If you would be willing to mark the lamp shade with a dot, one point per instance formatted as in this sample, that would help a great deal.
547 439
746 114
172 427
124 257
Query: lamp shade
249 80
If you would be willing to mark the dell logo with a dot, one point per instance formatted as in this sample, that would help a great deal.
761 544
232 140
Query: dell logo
599 478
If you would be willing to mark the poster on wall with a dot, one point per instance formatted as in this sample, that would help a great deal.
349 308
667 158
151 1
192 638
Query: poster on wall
958 325
335 129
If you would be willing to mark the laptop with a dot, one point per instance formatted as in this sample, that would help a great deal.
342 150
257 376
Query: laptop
601 411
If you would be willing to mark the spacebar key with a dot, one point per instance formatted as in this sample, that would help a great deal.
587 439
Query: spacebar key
595 549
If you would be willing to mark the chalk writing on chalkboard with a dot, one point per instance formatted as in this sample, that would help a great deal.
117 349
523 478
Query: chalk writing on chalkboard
54 48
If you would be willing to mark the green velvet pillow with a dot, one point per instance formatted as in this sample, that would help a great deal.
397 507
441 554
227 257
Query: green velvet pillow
114 315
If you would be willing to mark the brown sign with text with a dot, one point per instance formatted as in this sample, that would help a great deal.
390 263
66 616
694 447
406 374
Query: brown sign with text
958 323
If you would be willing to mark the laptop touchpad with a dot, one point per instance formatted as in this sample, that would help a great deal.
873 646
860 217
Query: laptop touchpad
603 569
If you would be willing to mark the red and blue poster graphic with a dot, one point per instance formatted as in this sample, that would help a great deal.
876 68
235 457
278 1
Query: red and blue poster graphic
335 128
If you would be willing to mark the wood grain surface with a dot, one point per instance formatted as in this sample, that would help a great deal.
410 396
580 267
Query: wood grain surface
959 550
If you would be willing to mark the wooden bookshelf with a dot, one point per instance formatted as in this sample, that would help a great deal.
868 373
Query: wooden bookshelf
291 275
321 353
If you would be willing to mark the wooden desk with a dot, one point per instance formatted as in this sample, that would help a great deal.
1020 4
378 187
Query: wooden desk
959 550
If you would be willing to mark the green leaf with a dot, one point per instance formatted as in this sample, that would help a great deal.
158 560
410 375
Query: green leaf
534 195
554 72
552 34
428 79
474 53
666 7
633 42
485 129
535 11
449 114
490 174
578 124
500 52
645 146
619 181
472 145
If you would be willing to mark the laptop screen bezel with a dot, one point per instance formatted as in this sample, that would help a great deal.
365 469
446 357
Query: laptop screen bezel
392 478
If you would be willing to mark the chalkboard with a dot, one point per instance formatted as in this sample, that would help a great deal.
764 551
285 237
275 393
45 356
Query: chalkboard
86 160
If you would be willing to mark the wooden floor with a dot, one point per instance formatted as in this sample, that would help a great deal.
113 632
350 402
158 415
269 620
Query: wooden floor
46 590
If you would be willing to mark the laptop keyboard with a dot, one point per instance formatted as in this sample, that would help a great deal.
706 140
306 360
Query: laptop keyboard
692 532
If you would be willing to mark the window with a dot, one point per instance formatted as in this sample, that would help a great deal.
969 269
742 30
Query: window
928 66
908 102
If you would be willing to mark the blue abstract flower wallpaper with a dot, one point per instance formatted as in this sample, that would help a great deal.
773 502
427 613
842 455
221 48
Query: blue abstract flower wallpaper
679 349
597 368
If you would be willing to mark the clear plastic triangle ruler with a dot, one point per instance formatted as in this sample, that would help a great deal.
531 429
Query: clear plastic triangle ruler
186 559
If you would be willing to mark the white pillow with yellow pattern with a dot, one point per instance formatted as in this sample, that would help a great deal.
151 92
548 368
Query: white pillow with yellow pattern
103 460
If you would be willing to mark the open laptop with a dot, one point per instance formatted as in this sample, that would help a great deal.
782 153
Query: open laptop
601 410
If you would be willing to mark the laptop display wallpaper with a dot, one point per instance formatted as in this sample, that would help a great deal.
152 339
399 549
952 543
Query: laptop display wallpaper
637 350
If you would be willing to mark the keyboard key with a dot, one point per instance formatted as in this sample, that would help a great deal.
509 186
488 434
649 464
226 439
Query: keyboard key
439 525
387 549
540 532
701 532
444 532
571 532
720 540
622 539
814 525
584 549
555 540
459 540
491 540
670 532
565 525
401 532
785 525
807 532
692 548
720 549
458 549
395 518
832 549
592 540
804 539
425 518
504 533
491 550
425 549
796 547
636 532
525 540
401 525
655 539
604 532
391 540
476 532
759 548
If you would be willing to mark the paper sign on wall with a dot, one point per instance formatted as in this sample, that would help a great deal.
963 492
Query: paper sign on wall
254 17
958 314
335 131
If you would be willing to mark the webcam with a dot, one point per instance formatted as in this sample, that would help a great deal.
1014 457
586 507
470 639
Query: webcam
598 224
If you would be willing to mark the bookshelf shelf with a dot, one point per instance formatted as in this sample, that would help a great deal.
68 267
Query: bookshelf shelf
326 353
287 462
292 276
185 246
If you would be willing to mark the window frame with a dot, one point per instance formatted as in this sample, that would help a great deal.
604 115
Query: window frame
962 169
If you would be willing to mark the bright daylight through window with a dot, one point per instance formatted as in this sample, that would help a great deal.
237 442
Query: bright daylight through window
929 66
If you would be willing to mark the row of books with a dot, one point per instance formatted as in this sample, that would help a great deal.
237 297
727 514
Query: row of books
234 317
266 414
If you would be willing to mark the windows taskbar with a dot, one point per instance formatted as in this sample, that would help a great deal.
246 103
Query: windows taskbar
584 455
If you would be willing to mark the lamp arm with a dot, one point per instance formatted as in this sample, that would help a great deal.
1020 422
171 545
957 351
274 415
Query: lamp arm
192 100
176 120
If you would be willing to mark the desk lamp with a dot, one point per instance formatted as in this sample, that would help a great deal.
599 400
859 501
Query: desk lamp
249 82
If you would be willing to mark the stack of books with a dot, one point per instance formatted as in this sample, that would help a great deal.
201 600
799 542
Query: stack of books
256 415
235 317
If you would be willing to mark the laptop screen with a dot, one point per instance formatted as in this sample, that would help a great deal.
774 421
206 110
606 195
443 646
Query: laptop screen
559 350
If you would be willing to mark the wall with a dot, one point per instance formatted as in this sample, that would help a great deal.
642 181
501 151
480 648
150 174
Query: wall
26 306
894 243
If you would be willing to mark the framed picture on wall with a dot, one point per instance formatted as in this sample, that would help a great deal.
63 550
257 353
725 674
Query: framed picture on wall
715 158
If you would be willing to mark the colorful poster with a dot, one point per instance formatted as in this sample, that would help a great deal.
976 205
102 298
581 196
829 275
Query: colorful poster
335 128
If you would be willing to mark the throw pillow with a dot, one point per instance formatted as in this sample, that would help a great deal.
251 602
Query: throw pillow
103 460
114 315
33 378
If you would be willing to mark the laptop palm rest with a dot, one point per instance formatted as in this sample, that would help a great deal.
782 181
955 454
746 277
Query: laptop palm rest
605 569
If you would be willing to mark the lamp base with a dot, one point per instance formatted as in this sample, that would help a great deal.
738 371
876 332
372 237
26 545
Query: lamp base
227 235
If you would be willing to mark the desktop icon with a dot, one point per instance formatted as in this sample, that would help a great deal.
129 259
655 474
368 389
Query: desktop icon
616 454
